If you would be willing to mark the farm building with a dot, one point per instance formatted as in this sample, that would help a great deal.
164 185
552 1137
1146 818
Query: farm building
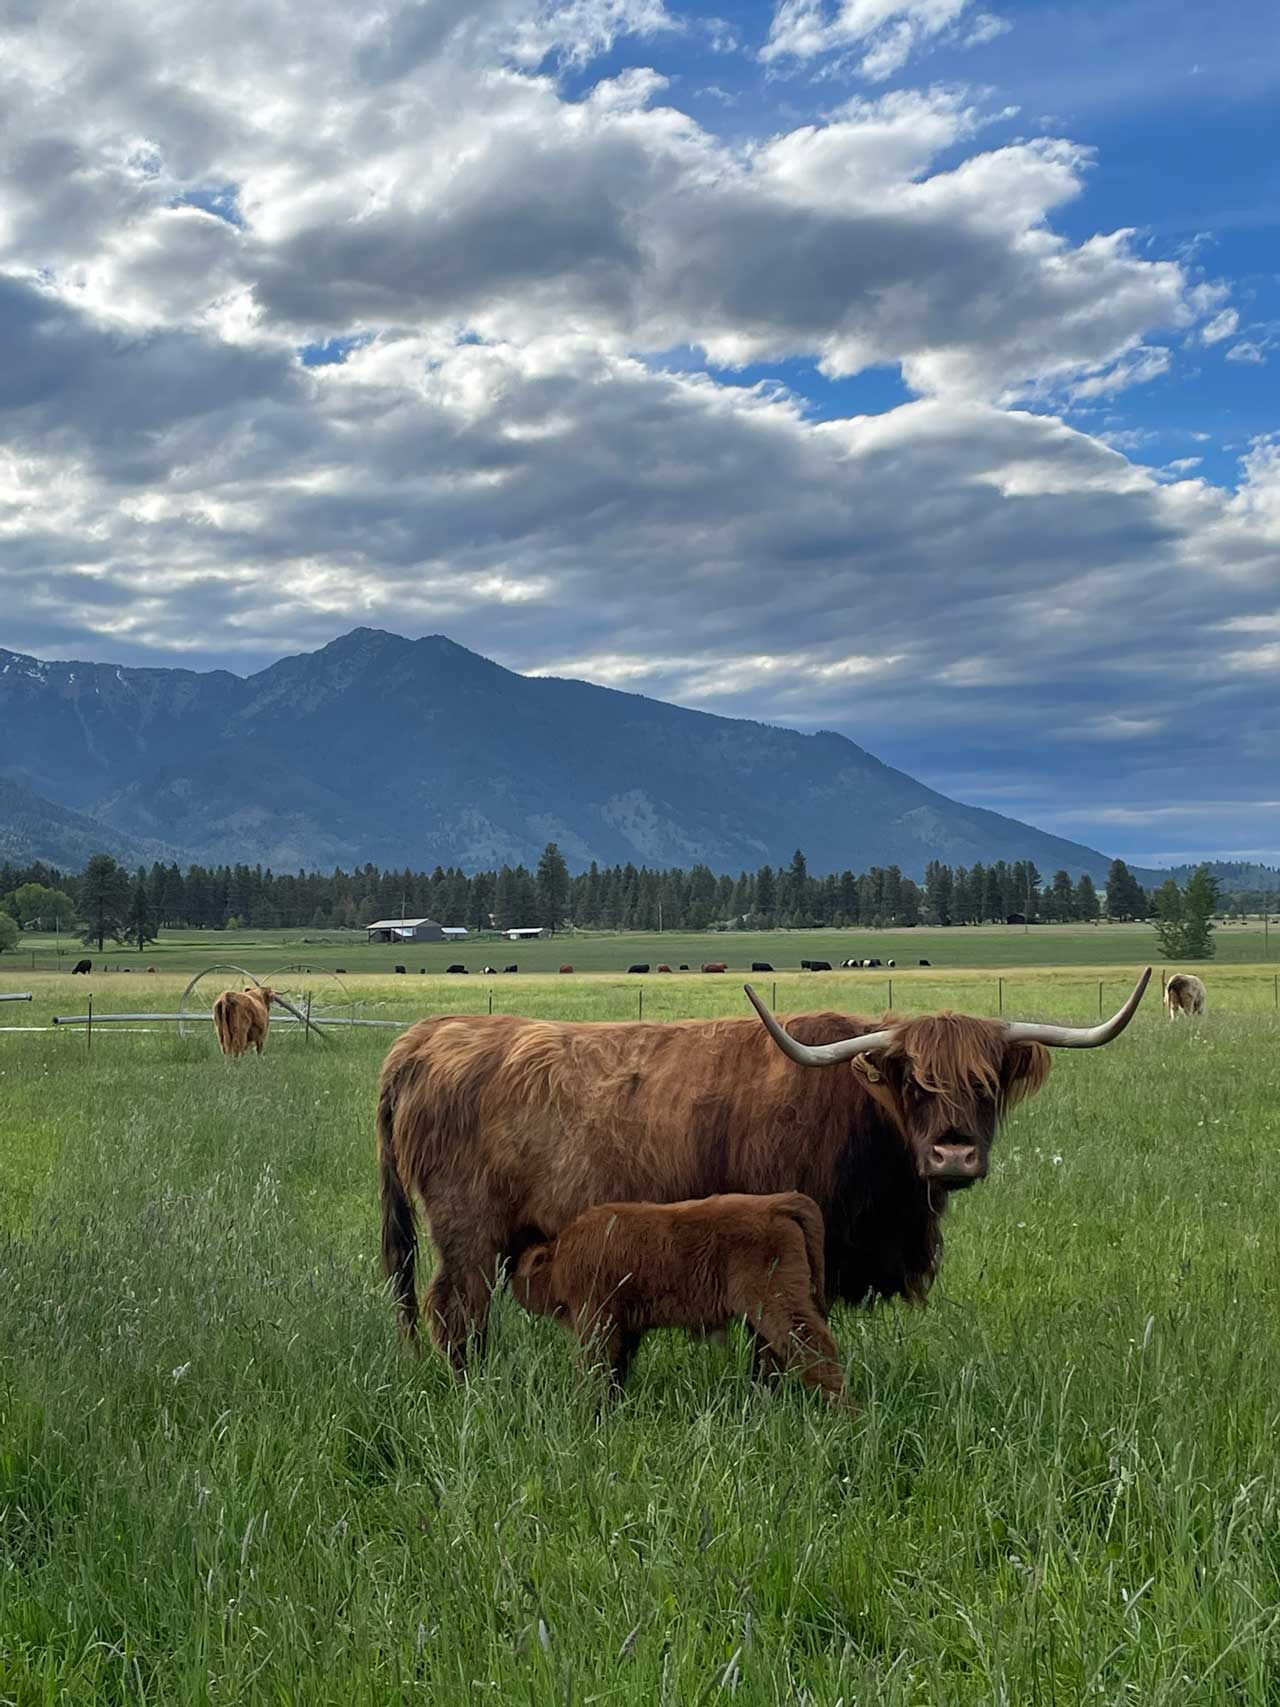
524 933
407 930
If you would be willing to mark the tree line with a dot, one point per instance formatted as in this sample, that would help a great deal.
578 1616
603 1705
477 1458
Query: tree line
105 900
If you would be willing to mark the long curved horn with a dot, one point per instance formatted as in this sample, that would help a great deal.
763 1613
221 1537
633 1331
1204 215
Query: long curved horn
1080 1036
818 1054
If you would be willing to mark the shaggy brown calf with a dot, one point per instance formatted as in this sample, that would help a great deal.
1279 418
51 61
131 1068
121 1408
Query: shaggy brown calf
623 1268
1184 994
242 1019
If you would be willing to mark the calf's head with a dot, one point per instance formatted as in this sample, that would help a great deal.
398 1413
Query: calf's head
533 1280
950 1077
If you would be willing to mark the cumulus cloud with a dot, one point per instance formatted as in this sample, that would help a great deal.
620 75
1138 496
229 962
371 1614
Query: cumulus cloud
368 322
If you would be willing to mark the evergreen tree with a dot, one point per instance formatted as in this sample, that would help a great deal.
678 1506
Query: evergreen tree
142 924
1126 898
104 900
1169 919
766 902
1062 898
1087 905
940 884
552 885
1199 903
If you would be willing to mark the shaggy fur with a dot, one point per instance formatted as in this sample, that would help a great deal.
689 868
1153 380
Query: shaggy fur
508 1128
623 1268
242 1019
1184 994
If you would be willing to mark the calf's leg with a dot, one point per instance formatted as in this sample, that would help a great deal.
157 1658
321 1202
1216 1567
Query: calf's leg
799 1339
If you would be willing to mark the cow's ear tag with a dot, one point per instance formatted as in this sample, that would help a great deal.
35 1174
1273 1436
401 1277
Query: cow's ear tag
863 1064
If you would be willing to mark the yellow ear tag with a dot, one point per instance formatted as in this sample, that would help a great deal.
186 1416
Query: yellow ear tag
863 1064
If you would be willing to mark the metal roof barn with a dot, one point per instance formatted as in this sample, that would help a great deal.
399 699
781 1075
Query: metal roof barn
406 930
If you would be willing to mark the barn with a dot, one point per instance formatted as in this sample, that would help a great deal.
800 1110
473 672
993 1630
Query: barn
406 930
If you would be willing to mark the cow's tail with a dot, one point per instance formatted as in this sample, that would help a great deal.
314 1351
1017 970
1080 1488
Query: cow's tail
808 1217
222 1024
399 1224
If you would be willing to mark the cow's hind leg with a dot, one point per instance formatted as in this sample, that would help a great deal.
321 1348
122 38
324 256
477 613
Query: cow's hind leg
801 1340
459 1296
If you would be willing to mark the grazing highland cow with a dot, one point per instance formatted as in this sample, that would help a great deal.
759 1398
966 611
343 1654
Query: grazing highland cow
1184 994
242 1019
82 966
507 1127
622 1268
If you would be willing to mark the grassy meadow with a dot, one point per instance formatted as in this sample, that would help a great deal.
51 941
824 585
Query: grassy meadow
955 948
220 1481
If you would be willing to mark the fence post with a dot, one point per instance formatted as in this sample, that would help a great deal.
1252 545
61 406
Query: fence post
640 1002
1000 992
490 998
1099 998
891 993
308 1024
774 1003
1277 983
88 1032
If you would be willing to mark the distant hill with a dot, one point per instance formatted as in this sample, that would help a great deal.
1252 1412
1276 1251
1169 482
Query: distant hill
1235 876
32 828
413 753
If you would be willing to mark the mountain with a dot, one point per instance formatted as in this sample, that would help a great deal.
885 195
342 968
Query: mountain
417 753
32 828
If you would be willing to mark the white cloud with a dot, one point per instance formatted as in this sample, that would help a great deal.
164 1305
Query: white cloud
1222 326
882 34
398 172
1110 726
190 196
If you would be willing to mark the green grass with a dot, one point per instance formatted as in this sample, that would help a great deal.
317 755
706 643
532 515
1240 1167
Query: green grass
979 946
220 1481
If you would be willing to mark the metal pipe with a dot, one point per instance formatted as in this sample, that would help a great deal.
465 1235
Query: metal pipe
15 996
117 1019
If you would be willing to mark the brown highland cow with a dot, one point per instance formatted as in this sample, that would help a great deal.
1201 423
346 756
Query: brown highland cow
242 1019
508 1128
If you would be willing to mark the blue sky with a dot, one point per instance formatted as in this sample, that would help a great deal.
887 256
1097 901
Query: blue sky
905 367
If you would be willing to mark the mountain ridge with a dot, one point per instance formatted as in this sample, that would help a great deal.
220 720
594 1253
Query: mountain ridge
420 752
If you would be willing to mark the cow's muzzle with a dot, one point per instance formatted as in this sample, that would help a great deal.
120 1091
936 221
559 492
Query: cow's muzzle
954 1165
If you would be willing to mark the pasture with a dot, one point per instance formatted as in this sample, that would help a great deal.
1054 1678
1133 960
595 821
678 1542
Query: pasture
950 949
221 1481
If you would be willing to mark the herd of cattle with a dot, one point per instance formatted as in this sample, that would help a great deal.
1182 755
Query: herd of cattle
646 966
637 1176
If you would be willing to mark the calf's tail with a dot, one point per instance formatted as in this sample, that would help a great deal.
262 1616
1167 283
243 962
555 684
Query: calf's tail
399 1224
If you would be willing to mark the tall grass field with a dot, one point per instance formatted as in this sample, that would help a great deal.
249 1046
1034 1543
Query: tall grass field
221 1481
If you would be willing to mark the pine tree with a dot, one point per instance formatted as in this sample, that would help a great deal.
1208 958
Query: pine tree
1170 919
1126 898
104 900
142 921
766 902
1087 905
1199 903
1062 898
